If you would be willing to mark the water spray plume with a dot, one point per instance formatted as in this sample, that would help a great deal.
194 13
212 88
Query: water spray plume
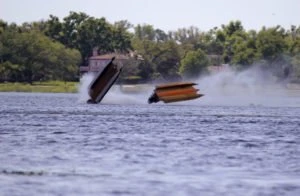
252 87
85 81
116 95
249 87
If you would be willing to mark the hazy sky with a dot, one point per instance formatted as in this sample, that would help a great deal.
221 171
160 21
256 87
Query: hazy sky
162 14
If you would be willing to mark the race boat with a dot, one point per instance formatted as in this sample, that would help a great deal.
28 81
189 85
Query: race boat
172 92
104 81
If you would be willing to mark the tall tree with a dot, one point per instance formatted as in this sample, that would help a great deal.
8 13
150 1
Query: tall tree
121 38
82 32
167 61
194 64
270 42
31 56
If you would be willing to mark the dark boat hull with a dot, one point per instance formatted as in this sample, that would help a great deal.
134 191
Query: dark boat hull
104 81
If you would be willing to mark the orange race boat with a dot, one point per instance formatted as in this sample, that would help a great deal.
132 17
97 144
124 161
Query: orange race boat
172 92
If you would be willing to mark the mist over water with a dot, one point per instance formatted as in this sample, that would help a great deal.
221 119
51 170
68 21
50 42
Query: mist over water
83 87
116 95
251 87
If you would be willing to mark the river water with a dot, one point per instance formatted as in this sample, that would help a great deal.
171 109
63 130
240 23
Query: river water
56 144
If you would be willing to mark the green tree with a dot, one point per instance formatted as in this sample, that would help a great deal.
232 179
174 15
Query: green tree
70 28
148 50
3 26
189 35
94 33
121 38
270 42
67 63
296 68
146 42
54 29
167 61
232 27
84 33
31 56
243 50
211 42
194 64
144 32
9 71
293 40
229 35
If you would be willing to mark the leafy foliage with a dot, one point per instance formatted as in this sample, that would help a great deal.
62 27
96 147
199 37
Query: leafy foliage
54 49
31 56
194 64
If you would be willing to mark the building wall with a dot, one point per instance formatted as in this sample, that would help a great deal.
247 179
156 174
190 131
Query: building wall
96 65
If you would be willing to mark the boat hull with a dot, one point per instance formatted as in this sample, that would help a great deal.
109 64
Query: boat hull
173 92
104 81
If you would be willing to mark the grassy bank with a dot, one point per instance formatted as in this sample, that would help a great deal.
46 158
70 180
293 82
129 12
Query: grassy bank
49 86
61 87
72 87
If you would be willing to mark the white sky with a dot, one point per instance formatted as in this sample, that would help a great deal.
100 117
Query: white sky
163 14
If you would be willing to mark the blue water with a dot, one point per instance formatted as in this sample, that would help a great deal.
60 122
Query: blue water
54 144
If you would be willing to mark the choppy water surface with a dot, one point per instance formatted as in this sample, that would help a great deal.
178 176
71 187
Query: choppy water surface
54 144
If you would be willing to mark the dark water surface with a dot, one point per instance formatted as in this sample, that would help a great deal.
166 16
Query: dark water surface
53 144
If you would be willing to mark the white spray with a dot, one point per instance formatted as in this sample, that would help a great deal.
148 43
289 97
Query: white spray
250 87
85 81
118 94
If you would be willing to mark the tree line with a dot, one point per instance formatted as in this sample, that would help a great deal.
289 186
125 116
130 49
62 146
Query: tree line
53 49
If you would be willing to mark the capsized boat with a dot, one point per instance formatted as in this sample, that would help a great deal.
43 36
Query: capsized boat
172 92
103 81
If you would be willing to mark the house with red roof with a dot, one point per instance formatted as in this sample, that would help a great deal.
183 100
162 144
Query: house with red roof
97 62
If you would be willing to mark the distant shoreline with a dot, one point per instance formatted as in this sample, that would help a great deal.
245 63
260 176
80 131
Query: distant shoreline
73 87
46 87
